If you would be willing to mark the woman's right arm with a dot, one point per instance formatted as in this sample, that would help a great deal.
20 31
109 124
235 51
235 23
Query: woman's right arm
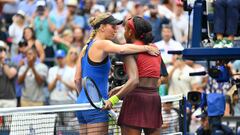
110 47
78 74
133 80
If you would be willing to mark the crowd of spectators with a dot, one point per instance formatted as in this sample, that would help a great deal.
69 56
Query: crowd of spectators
40 41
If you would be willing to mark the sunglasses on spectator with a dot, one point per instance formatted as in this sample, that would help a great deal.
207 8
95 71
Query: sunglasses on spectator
3 50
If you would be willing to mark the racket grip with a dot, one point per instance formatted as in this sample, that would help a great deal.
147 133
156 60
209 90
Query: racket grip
113 114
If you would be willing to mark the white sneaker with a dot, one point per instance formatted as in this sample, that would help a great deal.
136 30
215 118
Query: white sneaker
228 44
218 44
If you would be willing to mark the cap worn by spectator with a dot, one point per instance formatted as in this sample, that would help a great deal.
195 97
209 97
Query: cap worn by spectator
21 13
72 3
60 54
3 45
41 3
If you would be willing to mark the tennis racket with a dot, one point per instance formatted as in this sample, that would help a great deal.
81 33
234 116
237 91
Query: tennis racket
94 96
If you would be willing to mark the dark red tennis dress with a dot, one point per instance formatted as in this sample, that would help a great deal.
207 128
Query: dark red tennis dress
142 107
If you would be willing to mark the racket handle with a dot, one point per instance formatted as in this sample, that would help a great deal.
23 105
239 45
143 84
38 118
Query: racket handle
113 114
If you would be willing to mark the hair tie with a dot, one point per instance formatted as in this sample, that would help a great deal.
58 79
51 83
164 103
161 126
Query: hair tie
144 34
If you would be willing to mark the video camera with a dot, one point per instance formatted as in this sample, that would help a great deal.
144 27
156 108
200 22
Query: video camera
118 76
219 73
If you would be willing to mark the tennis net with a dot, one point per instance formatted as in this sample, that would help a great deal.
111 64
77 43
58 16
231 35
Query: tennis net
62 120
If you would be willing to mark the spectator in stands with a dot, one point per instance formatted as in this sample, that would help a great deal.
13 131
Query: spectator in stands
156 22
29 7
7 73
179 80
206 129
3 32
59 14
72 56
170 119
33 75
19 60
30 38
65 41
201 81
180 24
78 38
61 81
71 63
61 87
120 9
44 28
226 18
73 20
9 9
167 44
236 103
138 9
124 6
97 7
16 31
167 8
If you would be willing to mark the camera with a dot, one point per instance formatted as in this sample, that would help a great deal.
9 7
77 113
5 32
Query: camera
118 76
194 97
119 73
220 73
